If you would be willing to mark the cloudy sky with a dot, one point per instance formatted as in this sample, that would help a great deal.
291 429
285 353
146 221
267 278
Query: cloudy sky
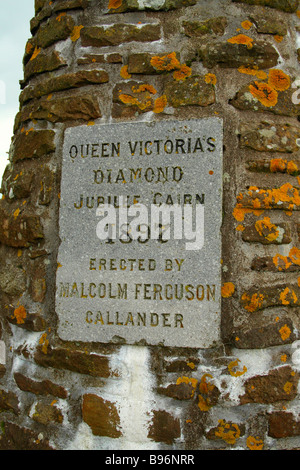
15 16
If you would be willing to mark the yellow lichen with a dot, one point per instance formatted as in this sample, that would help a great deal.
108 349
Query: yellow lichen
266 229
246 25
114 4
160 104
227 290
182 73
285 332
252 303
253 71
264 93
254 443
20 314
124 72
229 432
284 296
242 39
44 342
288 387
36 52
144 87
210 78
188 380
165 63
236 373
75 35
279 80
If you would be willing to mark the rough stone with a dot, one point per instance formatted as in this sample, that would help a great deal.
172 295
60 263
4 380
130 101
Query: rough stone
264 336
277 165
192 91
270 137
164 427
33 144
12 280
278 385
283 424
45 414
265 236
289 6
56 29
269 25
101 415
64 82
9 402
45 387
214 26
32 322
19 229
140 98
155 5
140 63
83 106
182 391
44 62
284 106
100 36
262 55
14 437
75 361
274 295
268 264
113 58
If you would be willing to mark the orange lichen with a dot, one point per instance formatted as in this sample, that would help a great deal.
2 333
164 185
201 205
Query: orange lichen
292 168
246 25
277 165
294 254
114 4
288 386
60 16
253 71
227 290
236 373
279 80
182 73
128 99
283 358
278 38
144 87
285 332
266 229
16 213
286 262
265 93
75 35
210 78
20 314
284 296
252 303
254 443
36 52
188 380
239 212
160 104
229 432
242 39
165 63
191 365
44 342
124 72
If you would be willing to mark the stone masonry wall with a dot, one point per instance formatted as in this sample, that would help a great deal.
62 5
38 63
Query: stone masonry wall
104 61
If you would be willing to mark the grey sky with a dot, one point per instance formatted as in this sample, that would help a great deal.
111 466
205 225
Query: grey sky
15 17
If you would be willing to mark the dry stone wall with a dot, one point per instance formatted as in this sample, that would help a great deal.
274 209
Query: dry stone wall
108 61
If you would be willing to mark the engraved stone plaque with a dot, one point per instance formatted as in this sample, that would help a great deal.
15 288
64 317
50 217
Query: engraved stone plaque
140 215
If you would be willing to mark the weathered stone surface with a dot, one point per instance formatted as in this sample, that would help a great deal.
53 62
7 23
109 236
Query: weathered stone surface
83 106
192 91
156 5
269 25
28 321
64 82
283 424
245 101
275 165
43 62
46 414
140 63
14 437
17 184
254 299
278 385
19 229
101 415
9 402
2 371
56 29
262 55
113 58
285 197
133 97
264 336
12 280
100 36
33 144
274 264
76 361
182 391
270 137
268 234
214 26
164 427
227 431
289 6
49 8
45 387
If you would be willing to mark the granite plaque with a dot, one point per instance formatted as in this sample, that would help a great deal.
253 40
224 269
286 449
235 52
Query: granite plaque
140 215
